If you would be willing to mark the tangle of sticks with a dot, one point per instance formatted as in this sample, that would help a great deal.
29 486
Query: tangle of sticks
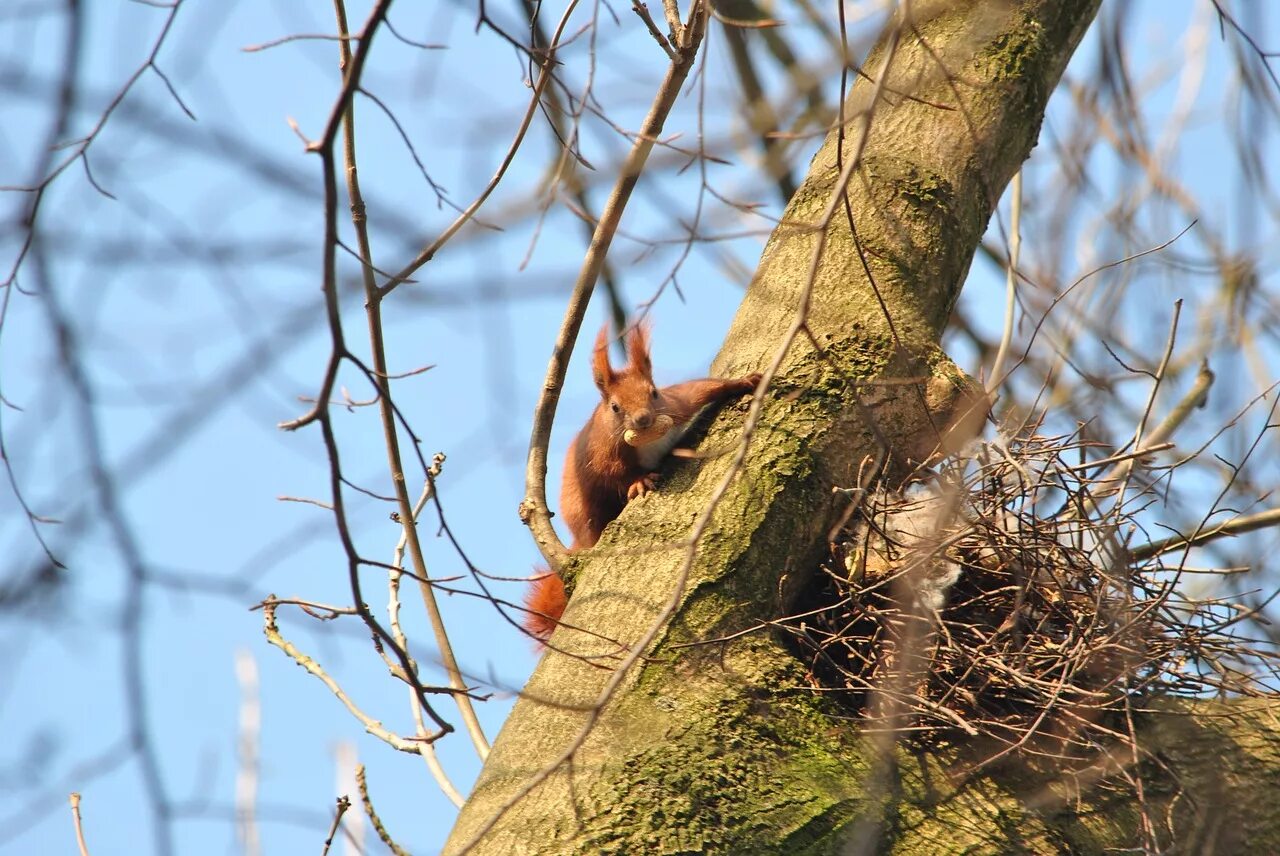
1004 602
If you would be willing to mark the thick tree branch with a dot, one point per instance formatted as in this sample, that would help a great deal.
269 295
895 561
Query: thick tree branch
922 183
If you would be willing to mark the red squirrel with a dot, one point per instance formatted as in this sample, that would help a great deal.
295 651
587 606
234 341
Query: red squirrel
616 455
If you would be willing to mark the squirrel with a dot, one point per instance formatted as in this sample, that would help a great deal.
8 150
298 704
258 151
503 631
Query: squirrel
614 458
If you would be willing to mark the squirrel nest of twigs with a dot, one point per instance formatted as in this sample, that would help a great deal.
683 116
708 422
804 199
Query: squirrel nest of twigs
1001 600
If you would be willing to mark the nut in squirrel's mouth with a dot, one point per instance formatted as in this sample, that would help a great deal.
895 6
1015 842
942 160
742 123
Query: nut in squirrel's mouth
643 437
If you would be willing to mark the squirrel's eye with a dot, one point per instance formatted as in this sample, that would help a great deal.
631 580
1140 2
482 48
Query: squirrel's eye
655 392
616 408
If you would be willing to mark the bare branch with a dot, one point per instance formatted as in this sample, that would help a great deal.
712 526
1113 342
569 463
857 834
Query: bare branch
533 510
75 817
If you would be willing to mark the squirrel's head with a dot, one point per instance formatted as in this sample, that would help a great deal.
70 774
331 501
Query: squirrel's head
630 397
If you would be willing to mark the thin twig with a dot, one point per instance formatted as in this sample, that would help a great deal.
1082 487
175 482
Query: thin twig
533 510
391 440
371 725
671 9
344 803
1235 526
426 748
340 353
642 11
1193 400
45 174
544 77
378 826
75 818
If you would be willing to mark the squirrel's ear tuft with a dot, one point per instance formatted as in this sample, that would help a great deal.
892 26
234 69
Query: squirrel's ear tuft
638 349
601 371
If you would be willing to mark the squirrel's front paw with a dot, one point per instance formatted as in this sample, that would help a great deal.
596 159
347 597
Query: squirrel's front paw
642 485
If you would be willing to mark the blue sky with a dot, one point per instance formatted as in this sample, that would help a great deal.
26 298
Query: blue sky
208 259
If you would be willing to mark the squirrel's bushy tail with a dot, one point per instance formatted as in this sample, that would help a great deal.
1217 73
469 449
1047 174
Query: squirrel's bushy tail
545 602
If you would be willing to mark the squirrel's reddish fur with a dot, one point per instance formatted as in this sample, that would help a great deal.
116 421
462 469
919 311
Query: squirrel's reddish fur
545 602
602 471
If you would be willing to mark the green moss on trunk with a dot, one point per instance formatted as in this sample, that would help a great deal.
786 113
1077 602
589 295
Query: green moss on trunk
712 748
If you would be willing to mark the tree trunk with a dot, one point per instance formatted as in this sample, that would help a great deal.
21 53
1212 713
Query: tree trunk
715 748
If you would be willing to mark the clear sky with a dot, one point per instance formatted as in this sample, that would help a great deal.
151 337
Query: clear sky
194 300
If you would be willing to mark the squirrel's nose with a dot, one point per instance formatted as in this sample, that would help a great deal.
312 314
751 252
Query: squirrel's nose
643 420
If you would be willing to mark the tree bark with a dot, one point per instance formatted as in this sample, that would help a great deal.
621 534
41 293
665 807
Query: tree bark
716 748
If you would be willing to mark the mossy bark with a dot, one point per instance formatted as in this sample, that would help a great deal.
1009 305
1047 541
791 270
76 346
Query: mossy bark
1209 776
713 748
